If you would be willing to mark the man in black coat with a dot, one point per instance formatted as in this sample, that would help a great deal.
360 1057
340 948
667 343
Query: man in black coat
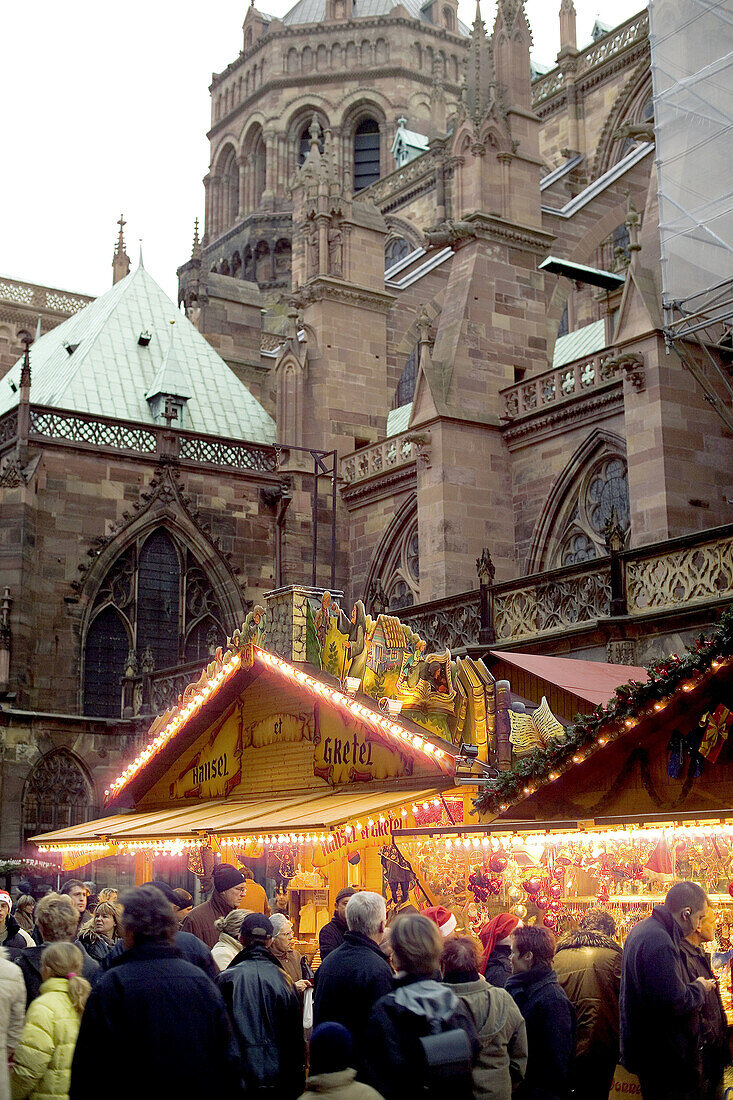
356 974
266 1015
711 1020
154 1021
659 1035
548 1014
191 947
332 934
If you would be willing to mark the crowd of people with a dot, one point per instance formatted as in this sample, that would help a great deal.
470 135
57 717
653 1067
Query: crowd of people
160 996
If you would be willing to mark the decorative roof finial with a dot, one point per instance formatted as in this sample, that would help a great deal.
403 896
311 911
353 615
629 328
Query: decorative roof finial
25 375
196 250
121 240
479 74
315 132
120 260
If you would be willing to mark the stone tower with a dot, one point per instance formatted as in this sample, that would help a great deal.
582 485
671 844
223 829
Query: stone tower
338 285
491 330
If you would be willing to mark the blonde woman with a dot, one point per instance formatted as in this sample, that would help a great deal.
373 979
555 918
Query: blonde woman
109 893
99 936
42 1061
228 945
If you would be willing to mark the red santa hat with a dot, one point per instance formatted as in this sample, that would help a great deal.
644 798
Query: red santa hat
6 898
444 919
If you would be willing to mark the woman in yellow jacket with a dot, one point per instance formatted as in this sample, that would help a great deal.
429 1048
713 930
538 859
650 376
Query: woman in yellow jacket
42 1061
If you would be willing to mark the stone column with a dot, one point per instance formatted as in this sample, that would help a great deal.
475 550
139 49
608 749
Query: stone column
242 165
208 192
268 195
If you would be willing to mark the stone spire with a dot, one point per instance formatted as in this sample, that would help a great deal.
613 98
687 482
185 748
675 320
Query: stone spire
479 79
120 260
512 39
196 250
568 33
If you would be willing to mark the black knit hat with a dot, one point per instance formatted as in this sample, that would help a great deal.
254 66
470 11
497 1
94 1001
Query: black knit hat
331 1049
225 876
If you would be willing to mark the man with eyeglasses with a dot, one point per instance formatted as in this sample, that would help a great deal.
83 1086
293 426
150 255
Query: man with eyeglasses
659 1006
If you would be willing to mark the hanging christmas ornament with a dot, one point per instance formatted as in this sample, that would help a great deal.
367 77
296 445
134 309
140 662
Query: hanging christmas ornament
548 920
532 885
514 893
498 863
494 885
730 889
542 901
520 911
555 890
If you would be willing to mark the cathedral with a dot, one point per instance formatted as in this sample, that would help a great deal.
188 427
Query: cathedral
418 359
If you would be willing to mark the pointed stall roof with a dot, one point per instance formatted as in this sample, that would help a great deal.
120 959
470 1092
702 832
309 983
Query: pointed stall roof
92 363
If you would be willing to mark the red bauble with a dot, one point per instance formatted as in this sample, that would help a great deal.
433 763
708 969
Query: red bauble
548 920
556 890
498 863
495 885
542 901
532 885
555 906
730 889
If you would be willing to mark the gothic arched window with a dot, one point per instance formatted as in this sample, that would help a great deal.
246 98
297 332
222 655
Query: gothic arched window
158 586
406 386
154 604
400 574
366 154
396 249
107 646
603 490
57 794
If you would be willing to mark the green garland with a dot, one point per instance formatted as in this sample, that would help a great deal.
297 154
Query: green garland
628 701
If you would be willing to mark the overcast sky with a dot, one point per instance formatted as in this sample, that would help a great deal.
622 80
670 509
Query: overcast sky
106 111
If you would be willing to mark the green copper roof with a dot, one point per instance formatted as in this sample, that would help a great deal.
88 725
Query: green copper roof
398 419
93 363
575 345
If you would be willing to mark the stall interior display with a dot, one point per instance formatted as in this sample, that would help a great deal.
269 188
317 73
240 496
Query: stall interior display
553 878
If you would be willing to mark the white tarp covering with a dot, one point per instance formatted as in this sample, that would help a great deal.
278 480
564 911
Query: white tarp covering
692 72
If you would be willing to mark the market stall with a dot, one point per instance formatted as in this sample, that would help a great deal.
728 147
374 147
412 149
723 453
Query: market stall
304 747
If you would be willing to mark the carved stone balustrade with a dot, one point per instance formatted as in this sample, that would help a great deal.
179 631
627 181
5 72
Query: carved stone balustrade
557 386
104 433
379 458
611 45
557 600
684 572
41 297
453 623
404 183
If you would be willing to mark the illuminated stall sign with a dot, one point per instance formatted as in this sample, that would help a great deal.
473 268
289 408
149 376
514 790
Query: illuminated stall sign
346 754
216 769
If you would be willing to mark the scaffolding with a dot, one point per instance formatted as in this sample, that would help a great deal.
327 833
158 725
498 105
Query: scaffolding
692 74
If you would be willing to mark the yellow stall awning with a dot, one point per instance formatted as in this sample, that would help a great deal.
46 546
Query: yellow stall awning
299 813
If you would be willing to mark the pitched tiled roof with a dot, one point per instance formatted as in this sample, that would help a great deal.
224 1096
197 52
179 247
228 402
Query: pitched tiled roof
93 363
391 626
